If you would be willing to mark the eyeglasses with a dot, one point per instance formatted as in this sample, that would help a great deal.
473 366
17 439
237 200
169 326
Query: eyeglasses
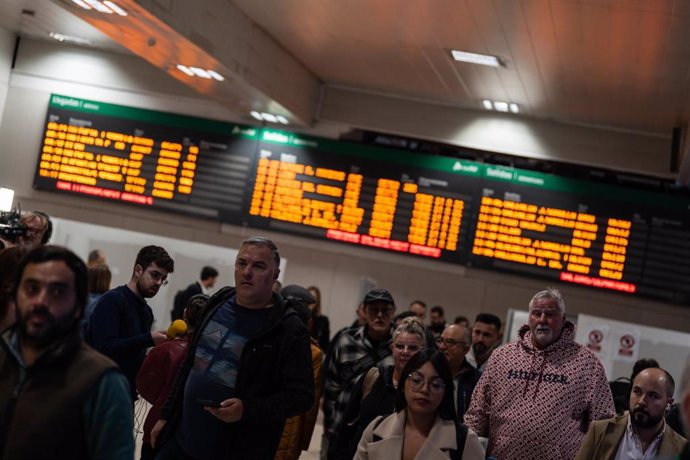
157 277
373 310
417 380
449 342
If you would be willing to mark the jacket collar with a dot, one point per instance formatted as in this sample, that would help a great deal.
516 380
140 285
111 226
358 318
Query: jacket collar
392 429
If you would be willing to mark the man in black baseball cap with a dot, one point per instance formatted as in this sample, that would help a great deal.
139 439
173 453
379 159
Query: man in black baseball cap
355 352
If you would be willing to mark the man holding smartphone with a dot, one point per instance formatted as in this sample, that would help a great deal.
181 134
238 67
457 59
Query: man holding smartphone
248 369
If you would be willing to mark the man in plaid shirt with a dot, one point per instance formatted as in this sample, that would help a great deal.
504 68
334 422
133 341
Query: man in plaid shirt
355 352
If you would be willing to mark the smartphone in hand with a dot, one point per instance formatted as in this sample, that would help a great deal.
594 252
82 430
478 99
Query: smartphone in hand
208 402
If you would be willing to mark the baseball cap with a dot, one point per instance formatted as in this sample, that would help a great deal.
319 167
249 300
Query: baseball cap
298 293
379 295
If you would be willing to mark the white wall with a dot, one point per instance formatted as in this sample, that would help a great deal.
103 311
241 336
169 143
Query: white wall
338 269
7 41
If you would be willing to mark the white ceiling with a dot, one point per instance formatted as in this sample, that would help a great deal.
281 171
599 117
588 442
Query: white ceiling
623 64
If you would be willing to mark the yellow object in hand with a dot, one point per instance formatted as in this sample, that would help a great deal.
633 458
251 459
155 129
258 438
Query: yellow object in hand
176 329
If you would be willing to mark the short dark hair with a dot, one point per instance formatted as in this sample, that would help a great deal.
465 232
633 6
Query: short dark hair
461 319
155 254
50 253
48 228
402 315
196 305
265 242
208 272
438 309
420 302
642 364
446 410
488 318
99 279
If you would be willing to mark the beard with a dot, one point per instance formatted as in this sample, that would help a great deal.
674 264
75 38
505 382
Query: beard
479 349
55 329
641 418
146 292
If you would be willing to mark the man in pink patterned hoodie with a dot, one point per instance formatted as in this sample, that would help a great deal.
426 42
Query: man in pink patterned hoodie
538 395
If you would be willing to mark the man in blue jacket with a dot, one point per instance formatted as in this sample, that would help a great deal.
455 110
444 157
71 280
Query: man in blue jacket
120 325
248 369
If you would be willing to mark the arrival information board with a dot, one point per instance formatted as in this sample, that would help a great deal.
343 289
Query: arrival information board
146 157
436 207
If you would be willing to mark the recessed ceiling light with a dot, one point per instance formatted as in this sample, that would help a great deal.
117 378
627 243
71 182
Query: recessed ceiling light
474 58
215 75
185 69
269 117
70 39
105 6
501 106
115 8
199 72
82 4
98 6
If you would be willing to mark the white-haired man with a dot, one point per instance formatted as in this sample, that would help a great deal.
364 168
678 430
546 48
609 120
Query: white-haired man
538 395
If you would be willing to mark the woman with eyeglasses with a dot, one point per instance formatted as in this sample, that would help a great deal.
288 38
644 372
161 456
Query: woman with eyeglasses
375 393
424 425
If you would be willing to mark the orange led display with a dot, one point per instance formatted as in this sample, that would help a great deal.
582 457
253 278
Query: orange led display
74 154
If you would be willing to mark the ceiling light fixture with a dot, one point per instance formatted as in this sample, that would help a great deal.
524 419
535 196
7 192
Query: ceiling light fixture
70 39
115 8
105 6
269 117
199 72
474 58
501 106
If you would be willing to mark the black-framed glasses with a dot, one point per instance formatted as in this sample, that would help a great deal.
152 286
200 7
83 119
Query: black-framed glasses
449 342
417 380
374 310
158 277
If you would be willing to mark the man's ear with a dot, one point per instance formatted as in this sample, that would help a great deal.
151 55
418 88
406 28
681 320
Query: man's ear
138 271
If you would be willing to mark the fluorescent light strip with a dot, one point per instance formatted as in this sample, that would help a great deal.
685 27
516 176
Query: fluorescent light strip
98 6
115 8
82 4
70 39
474 58
185 69
282 119
215 75
514 107
488 105
256 115
269 117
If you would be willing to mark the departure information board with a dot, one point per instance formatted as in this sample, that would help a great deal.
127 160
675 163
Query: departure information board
151 158
368 196
436 207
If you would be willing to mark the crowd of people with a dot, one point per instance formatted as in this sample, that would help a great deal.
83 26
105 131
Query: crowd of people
243 373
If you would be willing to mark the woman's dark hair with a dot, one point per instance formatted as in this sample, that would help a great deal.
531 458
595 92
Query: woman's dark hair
317 307
99 279
195 309
446 410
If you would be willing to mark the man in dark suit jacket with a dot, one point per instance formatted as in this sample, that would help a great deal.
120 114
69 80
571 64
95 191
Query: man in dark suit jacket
207 280
635 433
454 343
